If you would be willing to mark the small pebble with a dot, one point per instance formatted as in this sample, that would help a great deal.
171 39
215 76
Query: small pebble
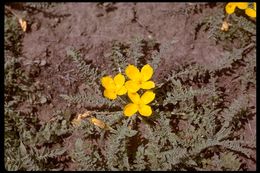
43 62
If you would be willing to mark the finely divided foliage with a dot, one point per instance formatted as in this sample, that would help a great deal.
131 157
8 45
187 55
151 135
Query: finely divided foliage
191 95
188 121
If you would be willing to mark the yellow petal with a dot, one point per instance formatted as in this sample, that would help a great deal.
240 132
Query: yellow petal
130 109
119 80
110 94
132 86
132 72
250 12
107 82
148 85
147 97
122 91
134 97
145 110
230 7
146 72
254 6
242 5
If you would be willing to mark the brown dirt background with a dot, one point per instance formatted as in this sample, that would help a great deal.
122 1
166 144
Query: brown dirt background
91 28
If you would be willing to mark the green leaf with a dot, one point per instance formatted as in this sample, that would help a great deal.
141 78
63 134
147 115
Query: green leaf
22 149
131 133
79 144
47 133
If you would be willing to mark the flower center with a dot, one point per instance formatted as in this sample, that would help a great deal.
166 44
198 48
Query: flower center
139 105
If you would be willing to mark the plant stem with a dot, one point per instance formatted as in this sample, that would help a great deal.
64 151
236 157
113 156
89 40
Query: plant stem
15 14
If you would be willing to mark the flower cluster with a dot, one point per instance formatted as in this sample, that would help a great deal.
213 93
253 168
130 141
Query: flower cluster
137 80
251 12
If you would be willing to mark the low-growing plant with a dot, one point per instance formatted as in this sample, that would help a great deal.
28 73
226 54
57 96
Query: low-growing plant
191 124
226 28
28 142
13 35
187 120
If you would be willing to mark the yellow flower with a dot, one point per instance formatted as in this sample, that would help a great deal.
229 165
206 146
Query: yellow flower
113 87
139 104
231 6
139 79
251 12
242 5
